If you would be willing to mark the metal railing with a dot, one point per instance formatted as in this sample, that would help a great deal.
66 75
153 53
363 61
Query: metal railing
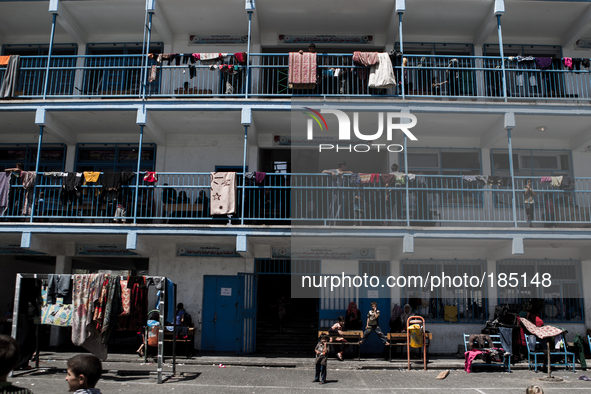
317 199
423 76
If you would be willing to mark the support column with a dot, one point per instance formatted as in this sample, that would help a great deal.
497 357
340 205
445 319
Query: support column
400 8
246 118
509 125
500 10
39 119
491 293
53 10
150 8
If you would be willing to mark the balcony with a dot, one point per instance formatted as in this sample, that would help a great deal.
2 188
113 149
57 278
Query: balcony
425 76
312 199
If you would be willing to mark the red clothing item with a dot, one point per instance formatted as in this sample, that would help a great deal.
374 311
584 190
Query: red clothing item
535 319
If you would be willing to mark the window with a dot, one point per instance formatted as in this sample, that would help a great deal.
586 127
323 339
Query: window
555 284
463 304
117 74
444 170
52 156
436 161
532 162
32 67
114 157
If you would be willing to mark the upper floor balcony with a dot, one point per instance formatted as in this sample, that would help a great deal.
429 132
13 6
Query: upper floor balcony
313 199
489 78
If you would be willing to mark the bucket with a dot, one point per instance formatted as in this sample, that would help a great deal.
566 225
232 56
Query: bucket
416 336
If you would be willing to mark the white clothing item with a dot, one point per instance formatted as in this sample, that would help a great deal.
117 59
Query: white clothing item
381 75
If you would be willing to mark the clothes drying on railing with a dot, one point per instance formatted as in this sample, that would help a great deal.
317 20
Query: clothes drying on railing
4 191
302 73
150 177
91 176
381 75
112 182
10 81
28 180
223 193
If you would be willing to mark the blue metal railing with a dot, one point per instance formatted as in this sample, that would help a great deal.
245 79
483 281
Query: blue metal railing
317 199
337 75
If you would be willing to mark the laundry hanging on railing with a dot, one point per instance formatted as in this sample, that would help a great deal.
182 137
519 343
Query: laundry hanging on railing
381 75
10 81
223 193
302 73
150 177
28 180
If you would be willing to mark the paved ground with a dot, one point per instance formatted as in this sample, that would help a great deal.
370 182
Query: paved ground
291 375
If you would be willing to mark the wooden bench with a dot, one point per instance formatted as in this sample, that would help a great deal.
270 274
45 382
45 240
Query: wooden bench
399 339
353 338
188 342
169 338
496 339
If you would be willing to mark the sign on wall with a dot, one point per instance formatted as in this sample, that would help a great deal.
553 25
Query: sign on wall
325 38
217 39
206 251
15 248
323 253
103 250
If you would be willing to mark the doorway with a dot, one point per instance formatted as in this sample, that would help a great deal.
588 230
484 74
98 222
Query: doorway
296 330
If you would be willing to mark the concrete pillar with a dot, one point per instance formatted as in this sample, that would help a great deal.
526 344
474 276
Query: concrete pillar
70 157
395 292
491 292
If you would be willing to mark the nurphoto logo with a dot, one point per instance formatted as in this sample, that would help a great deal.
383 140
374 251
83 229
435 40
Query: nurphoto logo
344 130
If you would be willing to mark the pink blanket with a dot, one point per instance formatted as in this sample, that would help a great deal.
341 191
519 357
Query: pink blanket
366 58
302 68
540 332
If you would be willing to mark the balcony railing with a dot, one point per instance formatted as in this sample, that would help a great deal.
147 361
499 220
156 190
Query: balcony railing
423 76
313 199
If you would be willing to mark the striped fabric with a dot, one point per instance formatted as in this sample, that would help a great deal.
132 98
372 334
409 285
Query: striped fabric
302 68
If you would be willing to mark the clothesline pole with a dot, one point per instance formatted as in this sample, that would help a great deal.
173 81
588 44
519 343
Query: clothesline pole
161 329
49 55
137 176
36 172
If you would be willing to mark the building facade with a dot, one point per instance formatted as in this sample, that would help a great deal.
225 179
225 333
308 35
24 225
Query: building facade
499 90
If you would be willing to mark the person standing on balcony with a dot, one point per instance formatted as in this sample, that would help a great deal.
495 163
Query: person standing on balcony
529 201
336 202
169 198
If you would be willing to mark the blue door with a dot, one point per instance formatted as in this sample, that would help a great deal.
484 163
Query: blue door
220 305
379 294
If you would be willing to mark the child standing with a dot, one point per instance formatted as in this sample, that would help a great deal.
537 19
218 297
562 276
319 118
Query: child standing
373 324
9 357
321 352
338 328
84 371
